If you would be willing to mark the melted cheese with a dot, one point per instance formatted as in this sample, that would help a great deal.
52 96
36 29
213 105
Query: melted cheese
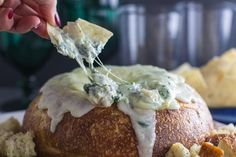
62 94
65 93
144 124
79 40
145 90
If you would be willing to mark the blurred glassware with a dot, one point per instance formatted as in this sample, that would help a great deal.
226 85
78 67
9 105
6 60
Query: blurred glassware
70 10
27 54
210 29
104 13
167 35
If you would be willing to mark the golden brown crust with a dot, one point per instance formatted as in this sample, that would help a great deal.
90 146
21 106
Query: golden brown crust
208 150
106 132
186 126
215 139
230 141
228 144
98 132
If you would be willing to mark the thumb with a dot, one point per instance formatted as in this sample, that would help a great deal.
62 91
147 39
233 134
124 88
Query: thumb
41 30
52 18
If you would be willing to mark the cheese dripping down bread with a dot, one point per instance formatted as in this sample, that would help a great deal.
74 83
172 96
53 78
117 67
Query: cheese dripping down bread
139 91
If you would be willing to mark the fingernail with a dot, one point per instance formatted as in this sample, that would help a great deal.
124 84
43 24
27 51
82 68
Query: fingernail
10 14
57 20
37 26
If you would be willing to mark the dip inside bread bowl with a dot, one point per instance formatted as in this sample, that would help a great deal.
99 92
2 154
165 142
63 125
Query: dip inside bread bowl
67 122
112 111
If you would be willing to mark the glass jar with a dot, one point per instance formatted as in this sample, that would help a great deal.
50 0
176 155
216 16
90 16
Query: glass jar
169 34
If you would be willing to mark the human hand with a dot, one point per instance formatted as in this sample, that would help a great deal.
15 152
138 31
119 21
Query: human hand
21 16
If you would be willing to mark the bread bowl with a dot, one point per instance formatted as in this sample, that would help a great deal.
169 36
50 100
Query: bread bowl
107 131
129 111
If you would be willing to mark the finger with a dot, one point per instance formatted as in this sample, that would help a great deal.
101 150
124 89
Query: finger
26 24
49 13
25 10
1 2
57 20
11 3
45 8
6 20
41 30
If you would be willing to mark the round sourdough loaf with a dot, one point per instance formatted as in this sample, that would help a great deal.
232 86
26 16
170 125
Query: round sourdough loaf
108 132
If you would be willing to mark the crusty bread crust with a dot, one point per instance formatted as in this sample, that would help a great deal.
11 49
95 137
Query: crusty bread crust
108 132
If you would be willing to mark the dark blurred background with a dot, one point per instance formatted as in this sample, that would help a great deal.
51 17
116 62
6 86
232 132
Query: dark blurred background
164 33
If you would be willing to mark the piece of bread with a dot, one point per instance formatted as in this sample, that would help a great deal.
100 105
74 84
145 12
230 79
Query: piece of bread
228 145
178 150
108 131
10 125
208 150
222 132
3 137
20 145
220 142
225 138
16 145
194 150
